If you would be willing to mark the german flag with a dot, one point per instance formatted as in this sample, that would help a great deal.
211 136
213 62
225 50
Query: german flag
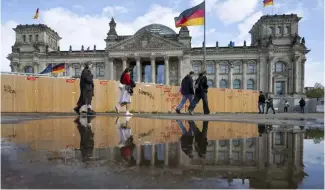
36 14
191 17
59 68
268 3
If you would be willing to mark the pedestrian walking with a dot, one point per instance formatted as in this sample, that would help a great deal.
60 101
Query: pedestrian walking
302 104
126 91
186 90
187 139
201 92
86 91
286 106
269 104
261 102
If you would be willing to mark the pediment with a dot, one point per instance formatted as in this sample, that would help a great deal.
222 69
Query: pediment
146 41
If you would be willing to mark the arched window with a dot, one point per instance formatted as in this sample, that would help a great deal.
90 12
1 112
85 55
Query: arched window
196 67
30 38
224 68
236 84
77 70
250 84
251 68
279 67
210 83
24 38
210 68
223 83
236 142
100 70
36 37
29 69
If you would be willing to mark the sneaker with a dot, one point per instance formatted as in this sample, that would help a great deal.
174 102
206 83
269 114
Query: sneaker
178 111
190 112
91 112
117 110
76 109
128 113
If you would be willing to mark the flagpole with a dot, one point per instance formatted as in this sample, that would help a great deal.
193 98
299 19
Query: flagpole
204 44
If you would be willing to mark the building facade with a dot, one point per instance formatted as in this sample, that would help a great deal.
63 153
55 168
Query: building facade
274 62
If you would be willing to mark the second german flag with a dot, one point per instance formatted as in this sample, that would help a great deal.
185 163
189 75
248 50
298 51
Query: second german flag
191 17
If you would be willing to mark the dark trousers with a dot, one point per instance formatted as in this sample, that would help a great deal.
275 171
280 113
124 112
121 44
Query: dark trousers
302 109
259 107
197 97
285 109
268 107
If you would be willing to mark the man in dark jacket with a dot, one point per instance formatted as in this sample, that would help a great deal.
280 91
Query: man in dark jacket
261 102
187 91
86 92
187 139
201 92
269 104
302 104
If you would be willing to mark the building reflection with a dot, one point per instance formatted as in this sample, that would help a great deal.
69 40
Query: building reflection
269 156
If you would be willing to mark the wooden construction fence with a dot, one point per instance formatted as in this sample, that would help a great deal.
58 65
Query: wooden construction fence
57 134
45 94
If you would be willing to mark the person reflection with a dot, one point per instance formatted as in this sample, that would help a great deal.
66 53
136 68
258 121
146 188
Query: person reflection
126 143
261 129
186 139
194 132
86 136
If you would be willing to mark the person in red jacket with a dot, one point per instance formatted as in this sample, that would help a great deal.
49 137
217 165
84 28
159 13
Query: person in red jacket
126 87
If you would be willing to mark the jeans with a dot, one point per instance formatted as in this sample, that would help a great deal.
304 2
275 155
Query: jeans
188 97
198 96
259 107
190 132
302 109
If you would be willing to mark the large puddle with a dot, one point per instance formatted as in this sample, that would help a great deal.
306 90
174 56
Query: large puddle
126 152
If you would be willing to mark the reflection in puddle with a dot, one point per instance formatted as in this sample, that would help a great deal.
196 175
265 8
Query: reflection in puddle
260 156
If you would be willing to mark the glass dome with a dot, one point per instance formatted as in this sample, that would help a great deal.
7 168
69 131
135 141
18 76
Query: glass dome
156 28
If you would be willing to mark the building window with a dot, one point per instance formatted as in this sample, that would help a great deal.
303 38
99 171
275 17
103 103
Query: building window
250 84
222 143
278 30
222 155
237 69
223 68
24 38
249 156
196 68
251 68
235 156
223 83
269 31
278 159
236 84
286 30
30 38
236 142
279 67
250 142
210 83
100 70
279 138
279 87
77 70
29 69
210 69
36 37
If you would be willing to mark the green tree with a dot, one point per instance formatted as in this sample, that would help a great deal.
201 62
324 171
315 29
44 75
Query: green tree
316 92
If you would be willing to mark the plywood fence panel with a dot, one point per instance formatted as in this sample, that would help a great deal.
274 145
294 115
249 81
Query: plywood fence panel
8 93
30 94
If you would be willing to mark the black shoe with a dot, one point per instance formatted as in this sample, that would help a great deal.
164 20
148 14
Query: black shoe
178 111
76 109
91 112
190 112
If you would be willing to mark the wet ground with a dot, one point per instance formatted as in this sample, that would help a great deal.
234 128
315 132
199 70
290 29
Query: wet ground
131 152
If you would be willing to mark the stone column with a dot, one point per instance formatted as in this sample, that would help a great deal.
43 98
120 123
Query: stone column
302 85
138 149
111 68
153 154
180 65
166 155
139 73
270 75
216 75
262 74
36 68
230 82
70 69
93 70
106 75
244 75
230 149
243 155
166 70
216 151
124 60
153 69
257 82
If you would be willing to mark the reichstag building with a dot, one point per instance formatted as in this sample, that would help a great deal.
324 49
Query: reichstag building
274 62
